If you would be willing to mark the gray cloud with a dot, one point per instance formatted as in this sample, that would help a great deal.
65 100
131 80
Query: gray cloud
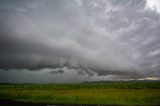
57 72
99 37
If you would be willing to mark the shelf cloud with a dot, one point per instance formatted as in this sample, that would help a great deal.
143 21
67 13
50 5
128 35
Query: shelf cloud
93 37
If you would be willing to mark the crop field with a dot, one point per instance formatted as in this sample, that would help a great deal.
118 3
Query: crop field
110 93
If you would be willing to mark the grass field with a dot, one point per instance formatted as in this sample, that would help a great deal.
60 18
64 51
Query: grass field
111 93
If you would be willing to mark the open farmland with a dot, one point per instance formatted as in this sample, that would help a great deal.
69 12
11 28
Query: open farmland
111 93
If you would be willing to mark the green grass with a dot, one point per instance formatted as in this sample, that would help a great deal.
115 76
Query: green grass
111 93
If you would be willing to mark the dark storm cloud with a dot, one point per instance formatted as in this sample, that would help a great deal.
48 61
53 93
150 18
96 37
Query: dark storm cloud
107 37
57 72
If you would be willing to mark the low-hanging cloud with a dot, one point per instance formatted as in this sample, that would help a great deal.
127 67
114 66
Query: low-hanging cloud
99 37
57 72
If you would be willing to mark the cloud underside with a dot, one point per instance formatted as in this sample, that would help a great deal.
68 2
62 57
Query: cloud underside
92 37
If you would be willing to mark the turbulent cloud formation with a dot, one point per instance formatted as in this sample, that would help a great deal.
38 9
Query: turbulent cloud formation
57 72
94 37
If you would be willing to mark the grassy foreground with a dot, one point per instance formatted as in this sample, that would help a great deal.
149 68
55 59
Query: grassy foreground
111 93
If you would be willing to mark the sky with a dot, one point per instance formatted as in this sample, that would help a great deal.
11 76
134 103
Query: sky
154 4
72 41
